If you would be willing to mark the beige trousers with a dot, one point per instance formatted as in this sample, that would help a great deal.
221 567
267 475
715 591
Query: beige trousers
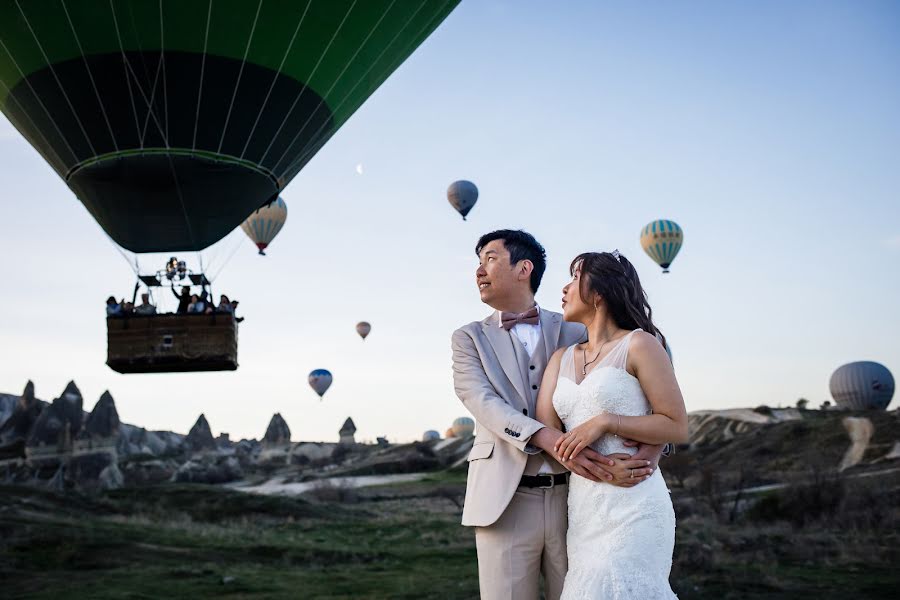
527 540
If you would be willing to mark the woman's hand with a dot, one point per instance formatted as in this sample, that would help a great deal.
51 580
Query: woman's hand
572 442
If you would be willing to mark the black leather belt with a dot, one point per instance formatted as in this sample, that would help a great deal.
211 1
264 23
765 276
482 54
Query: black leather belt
544 481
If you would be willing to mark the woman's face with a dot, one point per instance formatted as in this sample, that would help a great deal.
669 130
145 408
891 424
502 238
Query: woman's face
575 310
194 297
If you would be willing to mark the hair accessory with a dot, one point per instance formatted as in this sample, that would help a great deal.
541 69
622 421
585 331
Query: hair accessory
616 255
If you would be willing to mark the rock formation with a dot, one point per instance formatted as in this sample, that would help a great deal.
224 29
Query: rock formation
200 436
347 432
277 433
57 425
15 429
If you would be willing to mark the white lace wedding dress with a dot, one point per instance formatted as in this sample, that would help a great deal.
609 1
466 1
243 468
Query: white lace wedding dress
620 540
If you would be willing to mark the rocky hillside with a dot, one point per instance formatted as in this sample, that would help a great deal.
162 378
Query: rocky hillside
60 446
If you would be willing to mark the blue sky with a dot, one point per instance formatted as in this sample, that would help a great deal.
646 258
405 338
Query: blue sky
769 131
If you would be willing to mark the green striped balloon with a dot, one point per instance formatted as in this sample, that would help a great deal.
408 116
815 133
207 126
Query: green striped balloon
173 120
662 240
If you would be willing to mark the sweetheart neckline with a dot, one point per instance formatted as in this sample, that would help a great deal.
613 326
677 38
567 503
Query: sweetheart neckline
599 368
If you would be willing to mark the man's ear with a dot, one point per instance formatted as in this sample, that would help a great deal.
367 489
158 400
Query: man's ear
524 269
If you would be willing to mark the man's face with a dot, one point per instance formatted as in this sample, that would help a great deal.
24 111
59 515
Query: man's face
497 279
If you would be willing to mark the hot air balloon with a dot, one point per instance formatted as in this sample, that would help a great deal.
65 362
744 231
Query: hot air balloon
172 121
264 223
430 436
662 240
363 328
862 385
463 427
320 381
462 196
449 434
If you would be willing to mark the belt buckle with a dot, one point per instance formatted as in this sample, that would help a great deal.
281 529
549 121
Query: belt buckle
552 482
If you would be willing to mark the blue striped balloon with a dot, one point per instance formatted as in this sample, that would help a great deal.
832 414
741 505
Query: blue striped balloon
264 224
662 240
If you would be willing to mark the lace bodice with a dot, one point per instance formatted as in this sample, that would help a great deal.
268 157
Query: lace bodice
607 388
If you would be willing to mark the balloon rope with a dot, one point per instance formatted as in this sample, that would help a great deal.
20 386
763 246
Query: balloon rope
37 147
308 80
125 67
87 66
275 79
162 58
234 250
202 67
237 83
314 143
38 98
56 78
337 79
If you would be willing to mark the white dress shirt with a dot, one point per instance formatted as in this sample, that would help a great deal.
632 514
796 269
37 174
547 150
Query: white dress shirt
530 337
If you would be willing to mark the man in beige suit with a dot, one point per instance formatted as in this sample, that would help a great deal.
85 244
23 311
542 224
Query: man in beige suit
516 490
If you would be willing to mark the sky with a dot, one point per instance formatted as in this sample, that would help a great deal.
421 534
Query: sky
769 131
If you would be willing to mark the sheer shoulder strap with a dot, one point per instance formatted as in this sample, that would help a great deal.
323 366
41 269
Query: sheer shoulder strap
567 364
619 355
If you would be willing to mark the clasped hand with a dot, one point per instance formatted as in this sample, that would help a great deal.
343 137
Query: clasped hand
619 469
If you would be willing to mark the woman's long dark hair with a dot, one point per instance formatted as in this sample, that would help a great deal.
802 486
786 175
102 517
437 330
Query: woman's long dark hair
617 282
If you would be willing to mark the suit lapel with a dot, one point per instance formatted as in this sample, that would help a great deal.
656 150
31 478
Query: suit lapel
502 344
551 323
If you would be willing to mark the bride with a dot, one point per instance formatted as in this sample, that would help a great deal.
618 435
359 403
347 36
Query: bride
617 386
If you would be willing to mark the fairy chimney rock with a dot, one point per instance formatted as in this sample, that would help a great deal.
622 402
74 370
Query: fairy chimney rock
347 431
103 422
200 436
277 433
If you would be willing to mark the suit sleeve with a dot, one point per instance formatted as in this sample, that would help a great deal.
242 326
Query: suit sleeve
478 395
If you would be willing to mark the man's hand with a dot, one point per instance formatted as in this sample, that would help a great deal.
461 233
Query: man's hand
646 452
629 471
589 464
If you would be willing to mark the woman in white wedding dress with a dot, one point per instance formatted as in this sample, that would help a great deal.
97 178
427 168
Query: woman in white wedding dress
617 386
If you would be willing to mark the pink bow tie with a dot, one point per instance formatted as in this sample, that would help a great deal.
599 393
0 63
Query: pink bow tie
508 320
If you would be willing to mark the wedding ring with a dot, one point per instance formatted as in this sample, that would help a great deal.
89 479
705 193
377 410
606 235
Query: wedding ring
632 473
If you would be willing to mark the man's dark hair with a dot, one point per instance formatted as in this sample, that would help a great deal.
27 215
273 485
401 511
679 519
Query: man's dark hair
521 245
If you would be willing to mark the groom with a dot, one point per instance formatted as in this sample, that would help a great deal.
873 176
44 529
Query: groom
516 490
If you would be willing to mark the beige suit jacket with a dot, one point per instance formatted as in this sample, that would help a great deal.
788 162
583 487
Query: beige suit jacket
488 380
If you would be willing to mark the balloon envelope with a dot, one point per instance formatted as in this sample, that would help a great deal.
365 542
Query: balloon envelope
172 121
662 240
862 385
264 224
363 328
320 381
430 436
462 196
463 426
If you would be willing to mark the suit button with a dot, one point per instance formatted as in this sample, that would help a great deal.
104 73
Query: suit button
531 367
534 387
525 411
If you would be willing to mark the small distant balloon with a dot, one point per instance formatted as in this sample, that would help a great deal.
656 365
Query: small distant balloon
320 380
462 196
359 169
363 328
463 427
449 434
430 436
662 240
264 224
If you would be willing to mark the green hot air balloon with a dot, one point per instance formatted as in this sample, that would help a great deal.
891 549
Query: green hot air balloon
173 120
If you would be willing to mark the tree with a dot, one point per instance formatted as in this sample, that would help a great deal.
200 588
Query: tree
825 405
801 403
